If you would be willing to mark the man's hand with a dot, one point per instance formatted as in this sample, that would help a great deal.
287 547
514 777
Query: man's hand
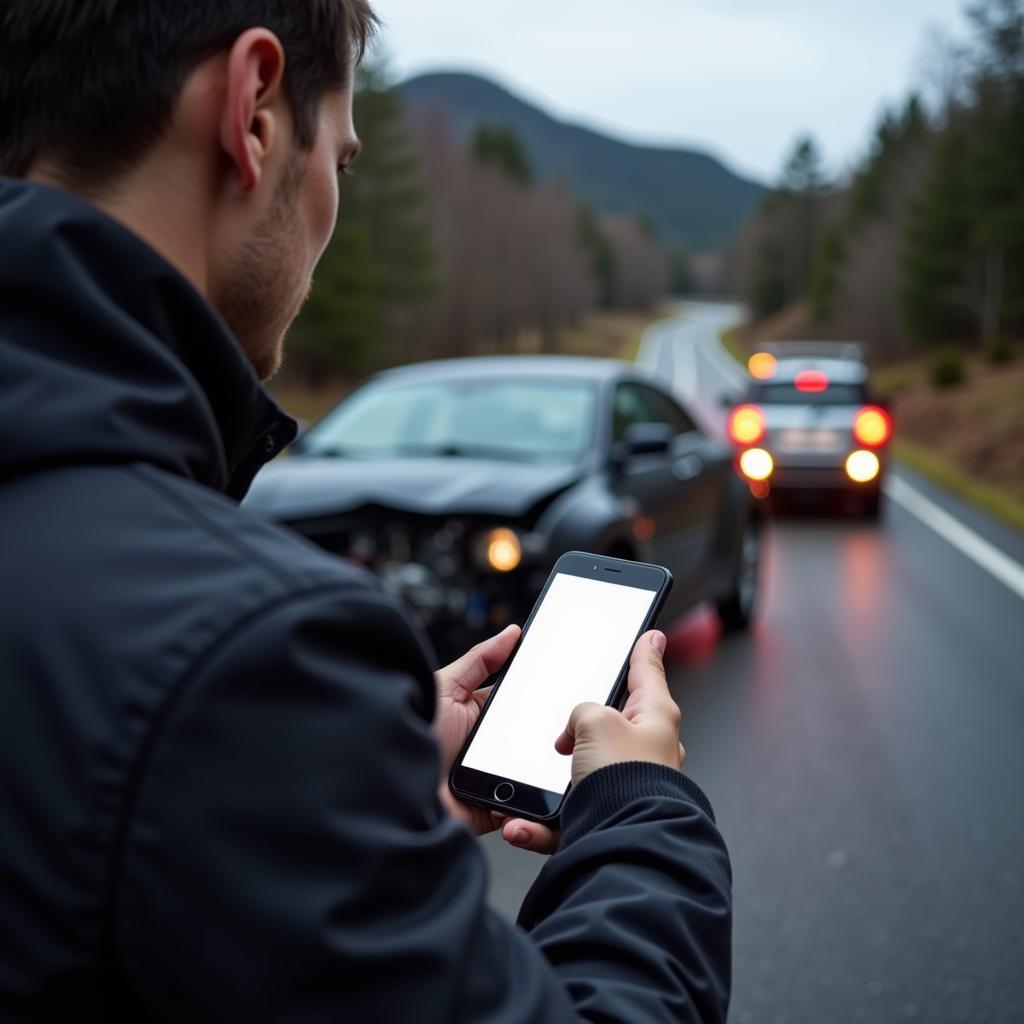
647 728
458 707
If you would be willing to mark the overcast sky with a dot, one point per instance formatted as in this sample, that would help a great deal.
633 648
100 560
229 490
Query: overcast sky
738 78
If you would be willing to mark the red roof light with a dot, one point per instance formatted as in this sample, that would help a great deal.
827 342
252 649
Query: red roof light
812 381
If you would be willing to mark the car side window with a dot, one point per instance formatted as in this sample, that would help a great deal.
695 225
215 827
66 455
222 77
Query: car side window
630 407
664 410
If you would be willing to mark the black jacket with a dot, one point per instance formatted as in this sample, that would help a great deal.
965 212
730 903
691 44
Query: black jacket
218 785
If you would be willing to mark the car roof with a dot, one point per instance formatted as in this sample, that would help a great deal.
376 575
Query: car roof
838 371
815 349
549 366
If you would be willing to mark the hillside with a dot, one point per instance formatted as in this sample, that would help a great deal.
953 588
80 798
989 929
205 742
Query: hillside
693 199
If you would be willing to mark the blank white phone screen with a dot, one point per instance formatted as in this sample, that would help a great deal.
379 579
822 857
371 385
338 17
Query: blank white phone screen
572 652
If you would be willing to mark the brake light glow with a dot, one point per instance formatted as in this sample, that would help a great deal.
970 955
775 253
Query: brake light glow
756 464
872 427
862 467
811 381
762 366
746 425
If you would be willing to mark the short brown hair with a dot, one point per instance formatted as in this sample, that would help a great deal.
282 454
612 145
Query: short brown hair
91 84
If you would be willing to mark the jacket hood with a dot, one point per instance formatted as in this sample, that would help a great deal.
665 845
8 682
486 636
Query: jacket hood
305 487
108 354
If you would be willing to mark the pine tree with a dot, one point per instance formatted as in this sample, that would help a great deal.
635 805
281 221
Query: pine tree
498 145
600 254
934 274
963 271
380 269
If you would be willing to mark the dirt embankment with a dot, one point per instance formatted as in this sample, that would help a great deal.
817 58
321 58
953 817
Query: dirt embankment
977 426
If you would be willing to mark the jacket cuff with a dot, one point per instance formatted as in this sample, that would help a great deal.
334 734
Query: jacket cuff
606 792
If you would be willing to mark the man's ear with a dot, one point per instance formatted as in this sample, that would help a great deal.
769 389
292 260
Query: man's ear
247 126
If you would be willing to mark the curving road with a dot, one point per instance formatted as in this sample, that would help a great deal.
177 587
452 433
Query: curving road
864 750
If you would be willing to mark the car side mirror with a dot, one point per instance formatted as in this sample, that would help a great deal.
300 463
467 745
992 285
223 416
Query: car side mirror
298 446
647 439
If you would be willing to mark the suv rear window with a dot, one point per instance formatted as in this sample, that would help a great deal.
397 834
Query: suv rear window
787 394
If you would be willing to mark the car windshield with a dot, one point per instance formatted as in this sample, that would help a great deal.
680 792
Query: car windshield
789 394
519 420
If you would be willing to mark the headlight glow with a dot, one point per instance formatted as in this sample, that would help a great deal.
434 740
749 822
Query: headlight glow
757 464
862 467
503 550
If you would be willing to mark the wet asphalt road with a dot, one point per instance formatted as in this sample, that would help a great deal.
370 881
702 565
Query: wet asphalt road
864 750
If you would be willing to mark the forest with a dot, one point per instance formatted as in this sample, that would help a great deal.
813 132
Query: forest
922 247
447 249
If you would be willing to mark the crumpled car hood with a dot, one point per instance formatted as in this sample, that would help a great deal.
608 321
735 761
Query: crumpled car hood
304 487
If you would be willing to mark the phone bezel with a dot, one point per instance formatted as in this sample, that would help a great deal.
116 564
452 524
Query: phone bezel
530 802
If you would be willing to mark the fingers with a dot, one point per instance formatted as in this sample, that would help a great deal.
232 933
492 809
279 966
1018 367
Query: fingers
466 674
529 835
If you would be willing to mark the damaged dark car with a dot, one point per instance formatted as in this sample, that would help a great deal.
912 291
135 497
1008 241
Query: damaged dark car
459 483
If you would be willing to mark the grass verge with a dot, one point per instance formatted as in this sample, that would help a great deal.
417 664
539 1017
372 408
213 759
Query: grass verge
996 501
733 343
612 335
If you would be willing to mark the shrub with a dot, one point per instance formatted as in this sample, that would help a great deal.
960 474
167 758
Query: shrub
1000 350
947 368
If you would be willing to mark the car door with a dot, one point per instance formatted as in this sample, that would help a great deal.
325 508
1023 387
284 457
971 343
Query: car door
648 479
702 469
699 470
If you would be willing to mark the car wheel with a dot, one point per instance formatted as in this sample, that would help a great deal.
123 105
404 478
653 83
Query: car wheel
736 608
871 505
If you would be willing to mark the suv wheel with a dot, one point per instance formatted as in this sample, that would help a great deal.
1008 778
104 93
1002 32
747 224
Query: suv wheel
871 505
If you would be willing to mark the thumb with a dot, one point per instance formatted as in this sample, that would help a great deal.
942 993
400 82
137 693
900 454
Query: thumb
647 684
566 742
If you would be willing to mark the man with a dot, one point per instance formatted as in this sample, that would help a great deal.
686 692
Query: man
221 750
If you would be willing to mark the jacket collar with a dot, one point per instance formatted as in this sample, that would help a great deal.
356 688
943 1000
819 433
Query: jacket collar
107 353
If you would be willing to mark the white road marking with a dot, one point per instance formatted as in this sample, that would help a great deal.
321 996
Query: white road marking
724 363
985 555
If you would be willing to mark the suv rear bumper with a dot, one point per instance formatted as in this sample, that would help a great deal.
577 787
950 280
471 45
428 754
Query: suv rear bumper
819 478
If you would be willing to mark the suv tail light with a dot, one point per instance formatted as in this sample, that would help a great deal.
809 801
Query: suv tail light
872 427
746 425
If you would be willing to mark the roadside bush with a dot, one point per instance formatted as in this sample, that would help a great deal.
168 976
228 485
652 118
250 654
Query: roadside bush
947 368
1000 350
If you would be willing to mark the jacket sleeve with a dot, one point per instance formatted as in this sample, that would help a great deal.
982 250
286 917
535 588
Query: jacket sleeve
286 857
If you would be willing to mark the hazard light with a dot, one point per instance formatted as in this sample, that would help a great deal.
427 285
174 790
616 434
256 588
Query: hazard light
762 366
746 425
872 427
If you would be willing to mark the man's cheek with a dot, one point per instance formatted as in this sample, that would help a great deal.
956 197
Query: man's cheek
326 217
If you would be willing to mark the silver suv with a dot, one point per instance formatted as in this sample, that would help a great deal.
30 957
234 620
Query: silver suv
809 424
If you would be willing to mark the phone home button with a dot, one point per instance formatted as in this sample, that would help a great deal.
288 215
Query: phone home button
503 792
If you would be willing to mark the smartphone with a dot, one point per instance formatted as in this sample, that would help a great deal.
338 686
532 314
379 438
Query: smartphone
575 647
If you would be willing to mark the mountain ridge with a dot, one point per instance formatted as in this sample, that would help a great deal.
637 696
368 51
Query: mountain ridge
694 200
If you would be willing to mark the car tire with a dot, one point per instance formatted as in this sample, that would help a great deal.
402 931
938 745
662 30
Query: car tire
871 505
736 608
